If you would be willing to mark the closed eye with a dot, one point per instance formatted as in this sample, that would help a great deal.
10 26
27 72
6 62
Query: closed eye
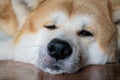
51 27
85 33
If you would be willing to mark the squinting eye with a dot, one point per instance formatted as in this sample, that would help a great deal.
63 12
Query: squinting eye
85 33
50 27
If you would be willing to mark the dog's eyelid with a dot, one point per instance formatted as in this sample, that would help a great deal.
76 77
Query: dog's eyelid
50 26
85 33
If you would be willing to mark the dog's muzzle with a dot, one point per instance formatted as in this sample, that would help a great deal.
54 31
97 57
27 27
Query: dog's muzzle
59 49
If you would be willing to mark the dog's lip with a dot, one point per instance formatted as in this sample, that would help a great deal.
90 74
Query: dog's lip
52 65
55 66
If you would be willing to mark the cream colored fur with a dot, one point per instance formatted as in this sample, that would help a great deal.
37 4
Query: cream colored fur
30 42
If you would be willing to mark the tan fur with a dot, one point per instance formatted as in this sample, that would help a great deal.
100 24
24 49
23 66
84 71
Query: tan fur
116 19
8 22
71 7
10 18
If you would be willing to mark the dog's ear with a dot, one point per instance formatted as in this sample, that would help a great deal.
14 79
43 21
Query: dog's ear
8 22
23 7
26 5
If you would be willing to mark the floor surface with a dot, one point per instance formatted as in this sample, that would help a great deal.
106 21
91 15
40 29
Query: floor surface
10 70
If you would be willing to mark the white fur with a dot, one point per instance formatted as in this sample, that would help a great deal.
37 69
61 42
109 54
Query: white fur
96 55
6 46
32 48
20 11
27 49
22 8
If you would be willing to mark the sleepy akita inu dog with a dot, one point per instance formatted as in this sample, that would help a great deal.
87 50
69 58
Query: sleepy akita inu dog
60 36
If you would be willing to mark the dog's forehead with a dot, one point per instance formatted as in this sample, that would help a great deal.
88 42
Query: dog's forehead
74 12
79 21
67 8
72 6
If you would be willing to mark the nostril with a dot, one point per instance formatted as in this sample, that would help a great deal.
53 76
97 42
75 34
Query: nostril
62 50
51 48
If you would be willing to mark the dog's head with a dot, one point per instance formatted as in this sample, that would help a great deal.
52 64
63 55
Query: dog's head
62 36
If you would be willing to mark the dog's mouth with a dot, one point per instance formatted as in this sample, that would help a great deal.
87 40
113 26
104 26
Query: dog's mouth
58 57
54 67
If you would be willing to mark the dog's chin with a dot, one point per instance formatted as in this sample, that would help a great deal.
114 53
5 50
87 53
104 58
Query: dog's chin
53 71
57 67
57 70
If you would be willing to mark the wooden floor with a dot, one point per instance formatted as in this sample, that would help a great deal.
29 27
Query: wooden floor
106 72
21 71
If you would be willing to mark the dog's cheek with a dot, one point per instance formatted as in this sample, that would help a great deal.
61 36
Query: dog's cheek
26 49
94 55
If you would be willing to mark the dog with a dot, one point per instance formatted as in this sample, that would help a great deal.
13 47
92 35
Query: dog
116 19
60 36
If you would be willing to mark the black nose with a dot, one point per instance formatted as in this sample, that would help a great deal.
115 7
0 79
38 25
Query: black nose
59 49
